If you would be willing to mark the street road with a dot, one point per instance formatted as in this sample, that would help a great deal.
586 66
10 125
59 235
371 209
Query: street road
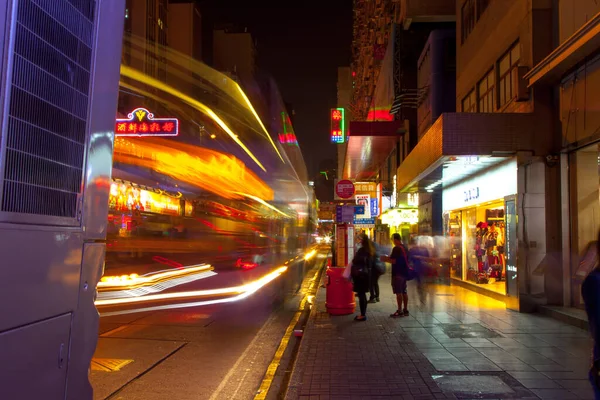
204 352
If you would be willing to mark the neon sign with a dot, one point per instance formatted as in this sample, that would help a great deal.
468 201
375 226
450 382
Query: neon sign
338 131
288 136
141 122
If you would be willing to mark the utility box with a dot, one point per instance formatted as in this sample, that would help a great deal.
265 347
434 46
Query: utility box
59 83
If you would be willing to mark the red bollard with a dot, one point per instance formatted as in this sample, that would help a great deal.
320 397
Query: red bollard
339 299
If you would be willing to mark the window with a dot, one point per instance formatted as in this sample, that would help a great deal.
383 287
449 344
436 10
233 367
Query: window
486 93
469 103
470 13
467 17
507 74
481 6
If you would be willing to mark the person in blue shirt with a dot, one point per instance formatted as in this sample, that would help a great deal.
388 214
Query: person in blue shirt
590 291
400 272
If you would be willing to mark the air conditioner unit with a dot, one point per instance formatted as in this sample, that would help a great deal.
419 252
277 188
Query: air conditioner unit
519 84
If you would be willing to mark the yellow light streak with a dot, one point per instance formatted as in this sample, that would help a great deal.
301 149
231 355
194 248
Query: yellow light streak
310 255
208 169
253 111
235 290
264 203
134 280
141 77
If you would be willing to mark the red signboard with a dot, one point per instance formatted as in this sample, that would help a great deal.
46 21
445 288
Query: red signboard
344 189
338 131
141 122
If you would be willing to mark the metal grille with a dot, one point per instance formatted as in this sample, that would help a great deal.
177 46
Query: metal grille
46 132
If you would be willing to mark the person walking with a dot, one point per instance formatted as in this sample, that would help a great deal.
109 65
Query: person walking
590 292
400 274
377 271
361 272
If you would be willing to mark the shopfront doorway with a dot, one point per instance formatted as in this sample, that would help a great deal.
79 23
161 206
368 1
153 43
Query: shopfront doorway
479 222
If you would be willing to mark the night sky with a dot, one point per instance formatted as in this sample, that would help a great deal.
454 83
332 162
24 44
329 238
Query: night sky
300 43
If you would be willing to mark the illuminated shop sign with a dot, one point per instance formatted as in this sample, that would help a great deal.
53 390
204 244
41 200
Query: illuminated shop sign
338 129
491 185
397 217
141 122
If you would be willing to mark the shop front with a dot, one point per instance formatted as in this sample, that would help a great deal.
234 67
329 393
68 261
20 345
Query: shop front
479 216
585 215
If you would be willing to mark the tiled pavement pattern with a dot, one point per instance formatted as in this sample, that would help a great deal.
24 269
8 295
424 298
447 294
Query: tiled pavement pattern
468 343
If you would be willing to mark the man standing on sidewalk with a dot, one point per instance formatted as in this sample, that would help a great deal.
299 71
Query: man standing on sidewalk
399 262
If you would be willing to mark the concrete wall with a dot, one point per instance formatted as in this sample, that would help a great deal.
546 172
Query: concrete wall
573 14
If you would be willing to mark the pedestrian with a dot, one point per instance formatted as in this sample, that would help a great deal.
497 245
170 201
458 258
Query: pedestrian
376 272
400 274
417 257
361 271
590 291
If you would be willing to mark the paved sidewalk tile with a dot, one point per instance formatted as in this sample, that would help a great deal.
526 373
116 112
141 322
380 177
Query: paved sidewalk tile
455 344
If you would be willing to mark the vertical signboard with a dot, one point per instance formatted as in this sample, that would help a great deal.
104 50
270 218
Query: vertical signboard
338 128
511 248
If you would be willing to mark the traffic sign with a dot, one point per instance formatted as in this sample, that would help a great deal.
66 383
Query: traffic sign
344 189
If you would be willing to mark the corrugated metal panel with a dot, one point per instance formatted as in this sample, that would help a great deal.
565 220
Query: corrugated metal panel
48 106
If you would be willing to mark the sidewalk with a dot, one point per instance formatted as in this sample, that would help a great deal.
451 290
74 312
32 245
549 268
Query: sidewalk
456 344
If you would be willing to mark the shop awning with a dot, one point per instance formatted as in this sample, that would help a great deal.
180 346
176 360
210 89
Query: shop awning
581 44
369 144
459 144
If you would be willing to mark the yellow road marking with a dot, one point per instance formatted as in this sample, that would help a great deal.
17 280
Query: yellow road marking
270 374
108 364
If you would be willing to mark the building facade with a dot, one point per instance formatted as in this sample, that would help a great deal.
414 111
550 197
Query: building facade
570 70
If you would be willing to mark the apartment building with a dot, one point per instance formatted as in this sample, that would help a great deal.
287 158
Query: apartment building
485 166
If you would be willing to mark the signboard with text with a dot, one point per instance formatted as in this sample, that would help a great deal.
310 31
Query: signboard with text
344 189
141 122
338 128
364 200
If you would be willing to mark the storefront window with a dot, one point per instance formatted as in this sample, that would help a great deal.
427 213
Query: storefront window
476 211
454 234
480 256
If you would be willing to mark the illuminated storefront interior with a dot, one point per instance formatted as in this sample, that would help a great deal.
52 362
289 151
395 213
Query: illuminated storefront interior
479 225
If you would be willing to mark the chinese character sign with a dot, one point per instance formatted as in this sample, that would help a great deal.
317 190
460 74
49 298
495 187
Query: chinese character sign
338 129
141 122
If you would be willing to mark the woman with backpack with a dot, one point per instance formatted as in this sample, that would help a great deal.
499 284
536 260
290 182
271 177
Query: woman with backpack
361 272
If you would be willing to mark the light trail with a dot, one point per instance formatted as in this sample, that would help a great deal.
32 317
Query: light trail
134 280
253 111
247 290
235 290
208 169
158 287
143 78
264 203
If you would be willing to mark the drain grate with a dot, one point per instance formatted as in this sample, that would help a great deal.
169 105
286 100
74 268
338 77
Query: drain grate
466 385
465 331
